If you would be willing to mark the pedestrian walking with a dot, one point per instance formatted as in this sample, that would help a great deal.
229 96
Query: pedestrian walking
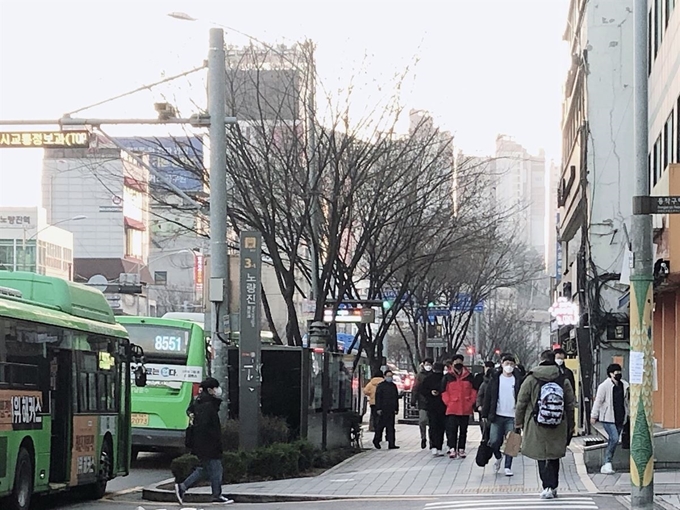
611 408
459 396
430 389
560 356
386 408
499 408
369 391
489 372
205 441
544 411
421 401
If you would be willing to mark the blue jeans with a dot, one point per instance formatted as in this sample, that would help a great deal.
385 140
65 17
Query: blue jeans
209 468
613 431
499 429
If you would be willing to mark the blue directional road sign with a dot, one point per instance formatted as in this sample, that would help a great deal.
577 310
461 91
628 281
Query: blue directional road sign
463 303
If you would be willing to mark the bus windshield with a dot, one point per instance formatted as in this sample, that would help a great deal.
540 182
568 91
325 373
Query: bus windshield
160 342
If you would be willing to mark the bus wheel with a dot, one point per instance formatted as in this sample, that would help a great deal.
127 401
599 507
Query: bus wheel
98 489
20 499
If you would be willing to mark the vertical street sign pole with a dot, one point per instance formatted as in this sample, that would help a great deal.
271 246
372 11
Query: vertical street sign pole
641 288
219 256
249 339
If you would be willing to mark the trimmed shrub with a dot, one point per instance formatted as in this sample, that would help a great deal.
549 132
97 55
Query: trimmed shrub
274 462
307 453
273 430
235 467
182 466
230 434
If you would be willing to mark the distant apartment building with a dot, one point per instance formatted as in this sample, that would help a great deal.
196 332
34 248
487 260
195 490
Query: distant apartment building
664 165
29 243
106 185
521 184
595 188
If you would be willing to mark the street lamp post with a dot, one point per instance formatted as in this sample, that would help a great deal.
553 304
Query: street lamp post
219 255
25 239
641 287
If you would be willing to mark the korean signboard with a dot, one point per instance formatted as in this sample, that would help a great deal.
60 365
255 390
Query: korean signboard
178 159
20 410
83 452
45 139
249 338
16 220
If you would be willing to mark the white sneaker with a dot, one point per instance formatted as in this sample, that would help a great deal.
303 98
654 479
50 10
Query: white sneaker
607 469
440 453
434 452
497 465
508 472
547 494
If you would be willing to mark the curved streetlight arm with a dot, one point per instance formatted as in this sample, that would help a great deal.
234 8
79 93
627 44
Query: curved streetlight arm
75 218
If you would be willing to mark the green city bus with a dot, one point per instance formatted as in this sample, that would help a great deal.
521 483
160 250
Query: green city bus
176 355
64 389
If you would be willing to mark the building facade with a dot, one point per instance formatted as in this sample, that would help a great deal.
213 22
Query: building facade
107 186
29 243
664 166
595 189
521 184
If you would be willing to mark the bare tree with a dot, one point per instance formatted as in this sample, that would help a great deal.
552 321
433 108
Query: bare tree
507 327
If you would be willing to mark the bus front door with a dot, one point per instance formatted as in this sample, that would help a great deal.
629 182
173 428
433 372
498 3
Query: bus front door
61 405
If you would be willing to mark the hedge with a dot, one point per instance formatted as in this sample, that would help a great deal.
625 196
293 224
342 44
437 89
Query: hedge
273 429
274 462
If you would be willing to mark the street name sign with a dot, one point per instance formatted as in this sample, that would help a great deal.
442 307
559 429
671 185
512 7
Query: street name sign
656 205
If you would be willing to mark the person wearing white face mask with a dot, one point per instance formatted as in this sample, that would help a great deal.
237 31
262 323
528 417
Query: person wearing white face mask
421 401
204 439
560 356
499 407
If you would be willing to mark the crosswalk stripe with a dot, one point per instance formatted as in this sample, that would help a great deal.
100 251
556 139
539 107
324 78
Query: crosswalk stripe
576 503
537 505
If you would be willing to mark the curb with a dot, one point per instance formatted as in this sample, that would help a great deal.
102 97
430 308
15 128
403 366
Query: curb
581 470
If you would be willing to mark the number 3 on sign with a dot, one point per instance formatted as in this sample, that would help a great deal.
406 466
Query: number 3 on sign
249 264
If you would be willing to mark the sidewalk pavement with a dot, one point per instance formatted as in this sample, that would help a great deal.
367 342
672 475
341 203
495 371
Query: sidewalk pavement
665 482
408 471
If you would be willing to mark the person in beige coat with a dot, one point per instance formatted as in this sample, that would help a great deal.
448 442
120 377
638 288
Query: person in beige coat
369 391
611 409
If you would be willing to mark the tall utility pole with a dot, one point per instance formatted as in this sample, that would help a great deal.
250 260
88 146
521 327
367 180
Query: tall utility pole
315 209
641 289
219 256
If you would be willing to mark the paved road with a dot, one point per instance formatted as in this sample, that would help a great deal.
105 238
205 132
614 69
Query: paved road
149 468
528 502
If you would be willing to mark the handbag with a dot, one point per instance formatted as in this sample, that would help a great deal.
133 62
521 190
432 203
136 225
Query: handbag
513 444
189 437
484 452
625 435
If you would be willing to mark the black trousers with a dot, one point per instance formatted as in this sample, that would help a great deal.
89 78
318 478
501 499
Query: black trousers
549 471
456 431
437 423
385 422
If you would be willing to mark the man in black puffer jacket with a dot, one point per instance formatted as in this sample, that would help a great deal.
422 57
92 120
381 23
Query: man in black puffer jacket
205 441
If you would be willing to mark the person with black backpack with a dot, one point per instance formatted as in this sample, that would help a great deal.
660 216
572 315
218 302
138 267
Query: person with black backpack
544 412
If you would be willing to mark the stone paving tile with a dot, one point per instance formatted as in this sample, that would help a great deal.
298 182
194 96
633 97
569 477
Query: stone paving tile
412 471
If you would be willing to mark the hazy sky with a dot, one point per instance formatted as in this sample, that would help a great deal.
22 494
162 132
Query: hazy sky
484 66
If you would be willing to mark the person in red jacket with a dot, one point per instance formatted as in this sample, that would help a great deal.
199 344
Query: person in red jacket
459 395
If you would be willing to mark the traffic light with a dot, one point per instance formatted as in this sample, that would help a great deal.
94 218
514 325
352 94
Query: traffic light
498 352
386 304
430 304
470 350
